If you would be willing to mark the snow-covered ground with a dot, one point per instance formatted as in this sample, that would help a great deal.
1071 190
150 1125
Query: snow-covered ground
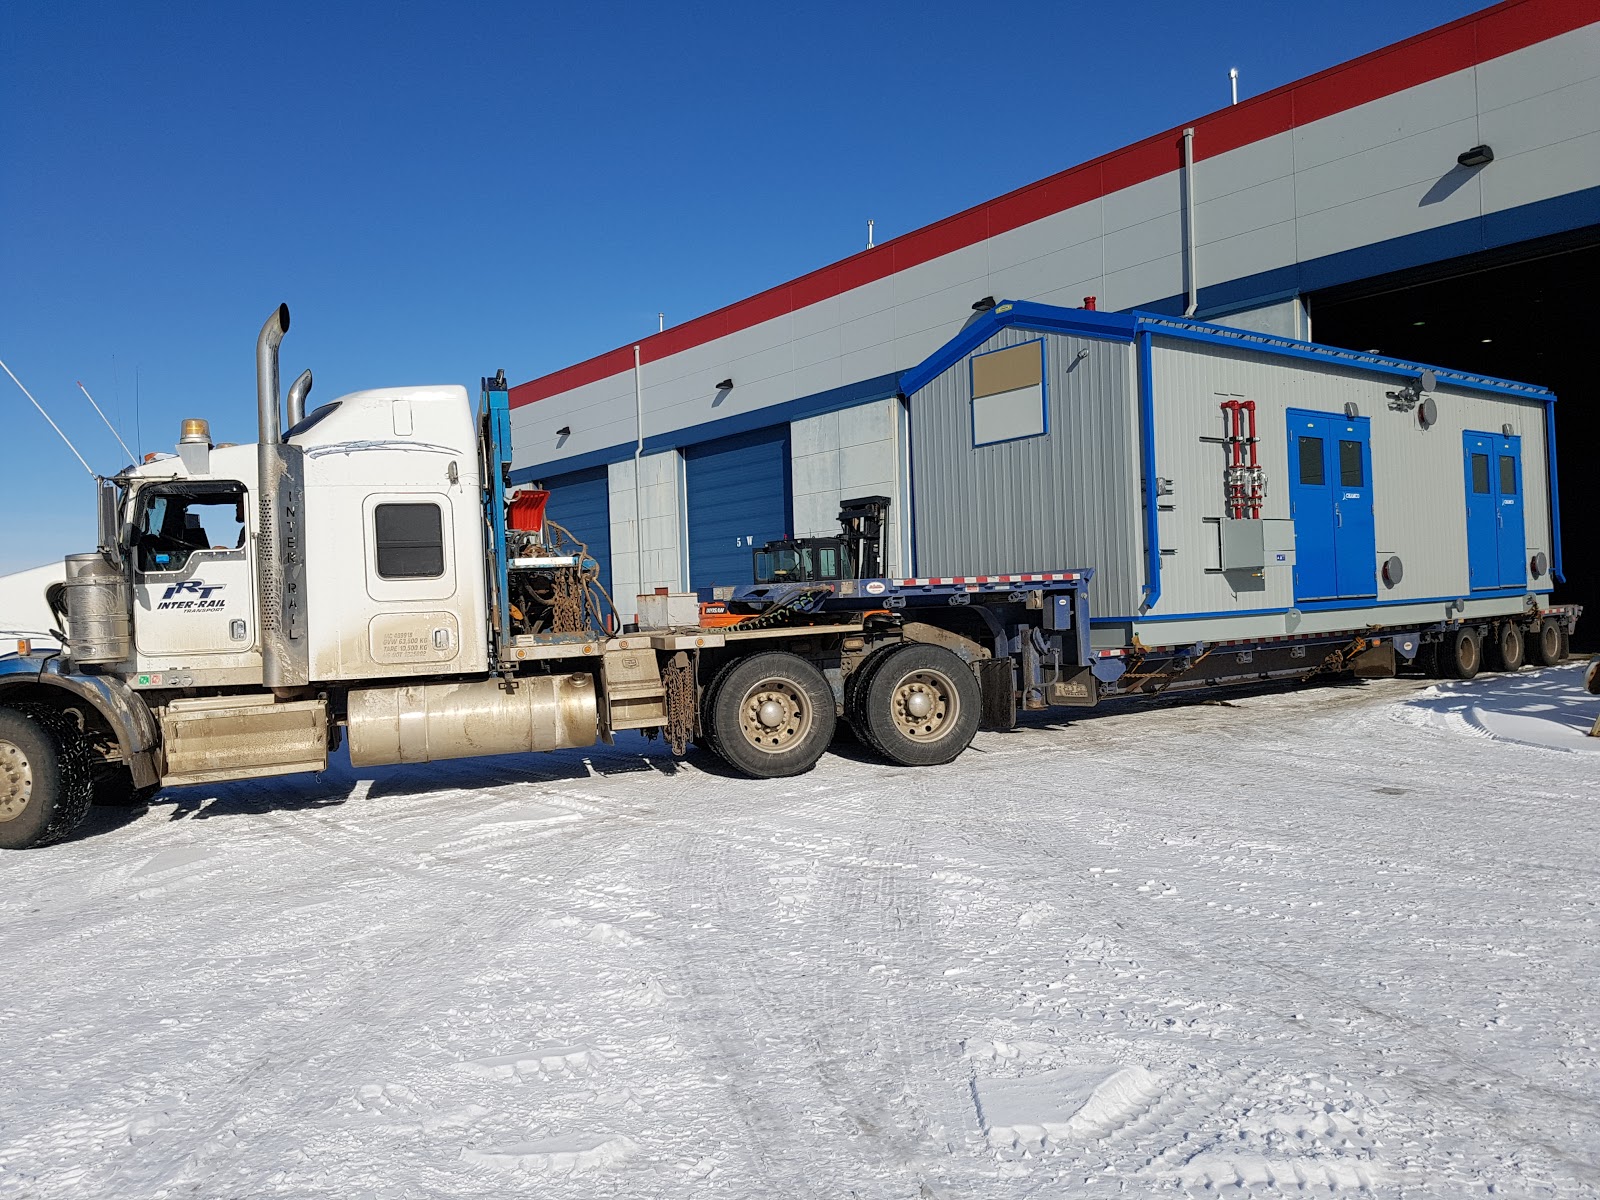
1307 942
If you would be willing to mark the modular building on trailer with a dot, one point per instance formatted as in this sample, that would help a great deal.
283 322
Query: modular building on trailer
1228 485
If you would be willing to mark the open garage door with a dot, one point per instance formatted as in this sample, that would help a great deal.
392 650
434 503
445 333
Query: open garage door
1526 313
738 499
580 501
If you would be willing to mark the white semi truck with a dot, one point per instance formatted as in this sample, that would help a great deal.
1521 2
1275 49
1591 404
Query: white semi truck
361 575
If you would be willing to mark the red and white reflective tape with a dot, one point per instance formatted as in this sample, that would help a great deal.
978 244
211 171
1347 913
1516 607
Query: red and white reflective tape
951 580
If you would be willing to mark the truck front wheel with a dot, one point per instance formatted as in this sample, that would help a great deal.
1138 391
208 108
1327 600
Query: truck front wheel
920 706
772 715
45 785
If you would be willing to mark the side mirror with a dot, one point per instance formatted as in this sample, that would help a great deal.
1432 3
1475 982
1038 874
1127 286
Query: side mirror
1428 381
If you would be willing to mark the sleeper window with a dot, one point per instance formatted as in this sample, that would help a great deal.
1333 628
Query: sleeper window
410 541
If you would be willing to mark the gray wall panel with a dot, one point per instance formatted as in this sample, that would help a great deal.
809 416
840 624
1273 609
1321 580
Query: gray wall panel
1417 474
1068 499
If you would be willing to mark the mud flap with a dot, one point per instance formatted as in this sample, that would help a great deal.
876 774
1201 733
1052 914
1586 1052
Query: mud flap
1079 690
997 678
1375 662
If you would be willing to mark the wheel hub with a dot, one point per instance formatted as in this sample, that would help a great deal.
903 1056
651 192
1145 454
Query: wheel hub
16 781
774 715
925 706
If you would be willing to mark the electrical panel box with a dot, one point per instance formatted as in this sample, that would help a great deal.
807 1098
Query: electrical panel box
1251 545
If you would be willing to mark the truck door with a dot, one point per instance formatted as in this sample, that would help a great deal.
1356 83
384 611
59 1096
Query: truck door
1330 499
194 589
1496 538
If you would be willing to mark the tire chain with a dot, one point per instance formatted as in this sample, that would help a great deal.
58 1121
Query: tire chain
77 776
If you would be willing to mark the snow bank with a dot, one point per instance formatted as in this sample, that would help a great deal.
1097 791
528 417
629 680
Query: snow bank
1547 708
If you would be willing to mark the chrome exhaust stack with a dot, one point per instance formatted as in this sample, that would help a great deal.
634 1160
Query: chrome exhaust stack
280 564
298 391
267 344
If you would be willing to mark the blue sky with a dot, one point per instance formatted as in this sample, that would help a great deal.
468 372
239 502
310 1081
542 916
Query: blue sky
442 190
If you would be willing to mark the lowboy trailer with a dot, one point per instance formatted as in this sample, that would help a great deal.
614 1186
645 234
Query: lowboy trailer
365 575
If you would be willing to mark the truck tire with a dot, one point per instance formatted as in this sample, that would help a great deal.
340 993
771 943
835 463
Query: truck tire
45 784
1548 645
1461 655
920 707
855 689
1505 648
772 715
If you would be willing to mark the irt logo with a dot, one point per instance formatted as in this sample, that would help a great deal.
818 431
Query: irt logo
194 587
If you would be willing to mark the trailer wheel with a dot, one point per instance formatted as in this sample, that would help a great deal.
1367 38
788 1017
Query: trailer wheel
1506 648
1548 645
772 715
45 785
921 706
1461 657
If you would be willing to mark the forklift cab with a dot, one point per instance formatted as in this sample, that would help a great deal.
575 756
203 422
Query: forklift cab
858 554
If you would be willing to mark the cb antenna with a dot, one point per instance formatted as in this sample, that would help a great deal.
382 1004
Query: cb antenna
53 425
132 457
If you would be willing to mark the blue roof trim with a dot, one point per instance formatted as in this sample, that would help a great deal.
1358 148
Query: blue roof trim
833 400
1124 326
880 387
1045 318
1524 223
1268 343
604 457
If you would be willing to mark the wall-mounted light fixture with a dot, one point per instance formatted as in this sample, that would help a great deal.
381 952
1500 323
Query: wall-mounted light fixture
725 385
984 305
564 431
1478 156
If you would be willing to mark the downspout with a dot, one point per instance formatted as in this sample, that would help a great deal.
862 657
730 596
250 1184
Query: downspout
638 465
1147 460
1190 279
1555 490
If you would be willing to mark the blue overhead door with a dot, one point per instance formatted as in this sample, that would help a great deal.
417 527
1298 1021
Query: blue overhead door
738 499
1330 498
580 501
1496 539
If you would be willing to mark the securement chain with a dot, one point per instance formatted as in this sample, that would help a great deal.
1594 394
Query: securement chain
678 679
781 612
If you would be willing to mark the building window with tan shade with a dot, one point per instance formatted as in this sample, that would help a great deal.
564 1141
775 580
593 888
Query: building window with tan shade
1008 396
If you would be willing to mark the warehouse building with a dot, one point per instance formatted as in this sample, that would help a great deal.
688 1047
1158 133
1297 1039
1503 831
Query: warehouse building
1437 200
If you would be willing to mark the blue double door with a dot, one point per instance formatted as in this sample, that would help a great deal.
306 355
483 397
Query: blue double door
1497 547
1330 498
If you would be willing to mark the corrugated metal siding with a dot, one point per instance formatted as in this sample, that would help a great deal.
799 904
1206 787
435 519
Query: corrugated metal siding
1067 499
1418 484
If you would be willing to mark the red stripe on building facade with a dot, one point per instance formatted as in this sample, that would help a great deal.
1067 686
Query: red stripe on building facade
1479 37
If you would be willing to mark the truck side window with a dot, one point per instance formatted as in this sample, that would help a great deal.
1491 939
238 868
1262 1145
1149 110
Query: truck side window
410 540
175 526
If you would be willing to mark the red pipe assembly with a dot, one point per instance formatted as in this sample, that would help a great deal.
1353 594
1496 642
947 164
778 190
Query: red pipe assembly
1243 482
